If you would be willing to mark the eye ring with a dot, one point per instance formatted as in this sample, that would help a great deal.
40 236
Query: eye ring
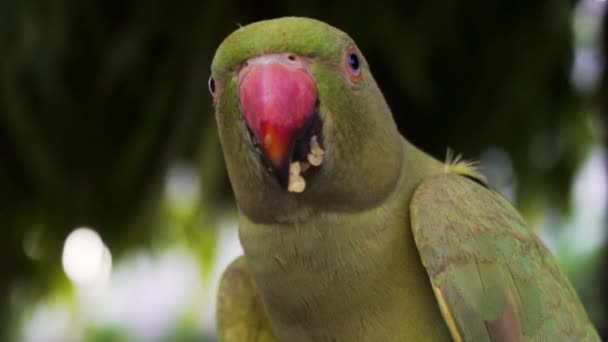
353 64
211 84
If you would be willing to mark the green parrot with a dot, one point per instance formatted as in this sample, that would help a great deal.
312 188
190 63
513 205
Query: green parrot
349 232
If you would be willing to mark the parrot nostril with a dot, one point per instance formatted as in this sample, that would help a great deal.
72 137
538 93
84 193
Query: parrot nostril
291 57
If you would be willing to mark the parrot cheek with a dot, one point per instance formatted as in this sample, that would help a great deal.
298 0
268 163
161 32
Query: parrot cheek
278 99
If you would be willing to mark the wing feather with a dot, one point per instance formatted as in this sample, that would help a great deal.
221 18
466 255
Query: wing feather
494 280
240 313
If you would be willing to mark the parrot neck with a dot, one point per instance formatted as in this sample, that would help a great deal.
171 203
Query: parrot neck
347 274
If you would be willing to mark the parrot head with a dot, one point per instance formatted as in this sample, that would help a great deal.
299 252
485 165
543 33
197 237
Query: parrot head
301 121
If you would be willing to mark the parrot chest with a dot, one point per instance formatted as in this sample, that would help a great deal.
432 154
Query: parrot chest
352 277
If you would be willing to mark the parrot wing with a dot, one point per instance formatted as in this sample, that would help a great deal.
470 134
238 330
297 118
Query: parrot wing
493 279
240 314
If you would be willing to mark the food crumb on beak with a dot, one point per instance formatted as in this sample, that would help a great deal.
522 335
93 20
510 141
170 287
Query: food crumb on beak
315 156
296 181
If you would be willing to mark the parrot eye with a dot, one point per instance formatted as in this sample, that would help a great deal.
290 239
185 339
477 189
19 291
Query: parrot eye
212 86
353 65
353 62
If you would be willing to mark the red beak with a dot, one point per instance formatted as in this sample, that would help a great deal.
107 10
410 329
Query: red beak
278 97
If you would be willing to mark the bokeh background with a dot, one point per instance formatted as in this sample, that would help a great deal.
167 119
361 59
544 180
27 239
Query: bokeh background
116 215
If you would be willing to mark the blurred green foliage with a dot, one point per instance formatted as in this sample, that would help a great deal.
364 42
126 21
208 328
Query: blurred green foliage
602 94
97 98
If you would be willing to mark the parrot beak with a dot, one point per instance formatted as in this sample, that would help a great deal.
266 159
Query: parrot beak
278 97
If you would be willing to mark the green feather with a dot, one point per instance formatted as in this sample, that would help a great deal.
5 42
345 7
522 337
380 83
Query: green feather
497 278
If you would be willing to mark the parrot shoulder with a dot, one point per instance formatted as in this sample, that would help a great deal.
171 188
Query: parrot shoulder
493 279
240 313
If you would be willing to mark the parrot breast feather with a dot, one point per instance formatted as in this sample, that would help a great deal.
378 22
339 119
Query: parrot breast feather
492 277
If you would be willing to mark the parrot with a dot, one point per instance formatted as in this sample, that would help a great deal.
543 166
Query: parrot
350 232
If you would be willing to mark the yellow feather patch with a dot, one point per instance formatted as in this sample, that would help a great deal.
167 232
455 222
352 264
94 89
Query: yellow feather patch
447 315
456 165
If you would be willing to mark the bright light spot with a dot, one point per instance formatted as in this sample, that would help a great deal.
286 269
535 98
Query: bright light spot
182 185
590 185
48 323
586 70
590 199
586 25
496 164
146 295
582 232
86 260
